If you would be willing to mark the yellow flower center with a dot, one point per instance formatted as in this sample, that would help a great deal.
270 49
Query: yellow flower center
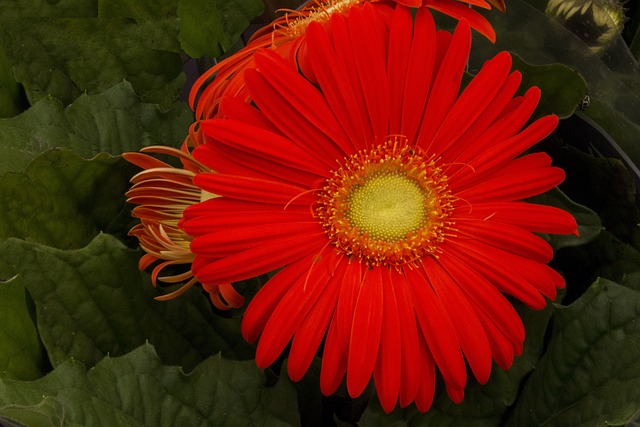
321 12
389 205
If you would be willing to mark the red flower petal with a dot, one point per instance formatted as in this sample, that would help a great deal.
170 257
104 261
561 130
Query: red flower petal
424 399
503 151
339 93
352 282
412 362
400 38
344 53
502 348
472 102
472 138
486 298
522 178
468 329
334 361
509 238
532 217
301 298
312 330
446 85
370 60
267 298
226 242
274 148
258 260
437 329
224 208
307 102
233 108
455 394
508 124
387 372
220 218
462 12
499 275
420 74
365 333
253 189
285 116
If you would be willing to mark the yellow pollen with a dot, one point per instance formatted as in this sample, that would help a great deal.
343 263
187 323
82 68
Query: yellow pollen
321 12
389 205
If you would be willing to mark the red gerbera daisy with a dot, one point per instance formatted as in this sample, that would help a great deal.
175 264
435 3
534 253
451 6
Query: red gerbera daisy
391 203
286 36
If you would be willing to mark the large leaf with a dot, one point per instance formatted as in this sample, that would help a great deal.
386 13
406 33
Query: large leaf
93 301
606 256
57 51
21 354
211 28
205 28
618 122
483 405
590 373
64 57
596 178
139 10
10 98
114 121
14 9
138 390
632 281
62 200
562 88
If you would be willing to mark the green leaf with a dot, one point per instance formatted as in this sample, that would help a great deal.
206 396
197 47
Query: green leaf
590 373
562 88
138 390
62 200
606 256
618 121
140 10
64 57
212 28
483 405
114 121
21 355
93 301
602 183
56 52
632 281
13 9
10 99
205 28
589 224
613 257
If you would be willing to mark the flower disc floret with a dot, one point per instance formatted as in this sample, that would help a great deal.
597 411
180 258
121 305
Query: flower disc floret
386 206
